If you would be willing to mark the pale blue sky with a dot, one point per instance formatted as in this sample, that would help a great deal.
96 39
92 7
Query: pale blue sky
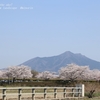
47 28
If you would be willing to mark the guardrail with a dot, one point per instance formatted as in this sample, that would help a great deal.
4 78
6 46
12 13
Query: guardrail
42 92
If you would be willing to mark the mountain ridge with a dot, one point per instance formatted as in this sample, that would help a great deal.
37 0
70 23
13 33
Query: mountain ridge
54 63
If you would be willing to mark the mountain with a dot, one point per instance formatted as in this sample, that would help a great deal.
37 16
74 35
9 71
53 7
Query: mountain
54 63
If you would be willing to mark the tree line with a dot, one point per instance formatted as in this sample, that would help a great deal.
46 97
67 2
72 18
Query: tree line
70 72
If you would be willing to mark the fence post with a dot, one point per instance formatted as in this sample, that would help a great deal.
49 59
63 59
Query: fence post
45 93
55 92
33 94
4 94
72 92
64 92
82 90
19 94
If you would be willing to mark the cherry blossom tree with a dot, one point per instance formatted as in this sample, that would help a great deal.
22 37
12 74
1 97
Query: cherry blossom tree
95 74
73 72
47 75
2 74
18 72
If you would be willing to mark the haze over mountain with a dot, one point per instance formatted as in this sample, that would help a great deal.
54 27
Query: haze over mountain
54 63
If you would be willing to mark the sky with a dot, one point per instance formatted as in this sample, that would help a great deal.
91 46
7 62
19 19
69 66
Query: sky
43 28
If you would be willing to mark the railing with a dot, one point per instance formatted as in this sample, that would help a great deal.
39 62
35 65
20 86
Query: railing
34 93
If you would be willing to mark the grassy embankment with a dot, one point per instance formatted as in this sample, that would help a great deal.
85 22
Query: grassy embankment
92 88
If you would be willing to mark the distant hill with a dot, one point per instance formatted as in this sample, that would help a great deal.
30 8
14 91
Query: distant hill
54 63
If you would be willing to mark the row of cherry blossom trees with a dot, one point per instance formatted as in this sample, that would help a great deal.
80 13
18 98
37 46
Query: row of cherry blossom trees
47 75
70 72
